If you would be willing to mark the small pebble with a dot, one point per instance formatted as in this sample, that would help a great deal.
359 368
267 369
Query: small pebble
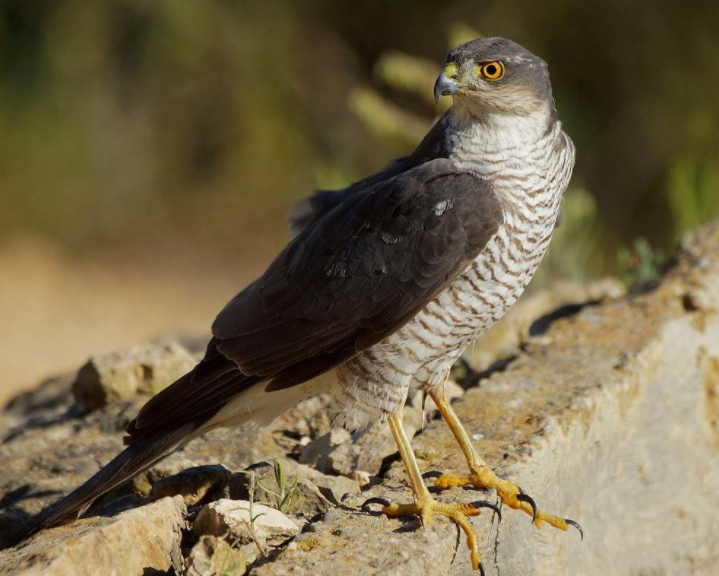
330 516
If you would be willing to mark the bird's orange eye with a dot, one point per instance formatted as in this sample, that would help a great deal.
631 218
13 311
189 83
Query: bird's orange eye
491 70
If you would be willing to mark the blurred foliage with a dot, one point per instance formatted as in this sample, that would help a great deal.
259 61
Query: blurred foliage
574 243
130 125
385 120
641 263
693 192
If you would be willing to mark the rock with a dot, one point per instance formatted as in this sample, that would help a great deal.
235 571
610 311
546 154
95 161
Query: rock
349 543
362 478
334 488
143 369
232 517
46 456
310 417
318 451
134 543
339 452
310 502
193 484
51 400
213 556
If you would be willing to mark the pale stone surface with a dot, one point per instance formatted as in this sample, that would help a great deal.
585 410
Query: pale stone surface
233 516
333 488
193 484
339 452
143 369
133 543
213 556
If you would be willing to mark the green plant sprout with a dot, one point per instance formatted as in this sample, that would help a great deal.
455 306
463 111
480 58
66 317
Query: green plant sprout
251 524
641 263
285 499
234 568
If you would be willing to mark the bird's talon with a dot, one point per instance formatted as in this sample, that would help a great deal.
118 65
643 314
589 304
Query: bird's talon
491 506
577 526
375 500
432 474
482 477
522 497
427 507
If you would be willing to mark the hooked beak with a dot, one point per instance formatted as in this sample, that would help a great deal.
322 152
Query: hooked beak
445 86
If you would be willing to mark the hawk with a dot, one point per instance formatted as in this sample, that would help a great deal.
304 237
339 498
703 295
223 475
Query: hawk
383 286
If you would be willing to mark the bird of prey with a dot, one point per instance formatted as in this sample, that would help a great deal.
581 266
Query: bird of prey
383 286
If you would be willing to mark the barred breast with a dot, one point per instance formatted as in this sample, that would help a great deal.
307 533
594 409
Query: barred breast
529 177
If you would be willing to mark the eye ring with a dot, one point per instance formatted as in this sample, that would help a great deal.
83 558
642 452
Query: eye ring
493 70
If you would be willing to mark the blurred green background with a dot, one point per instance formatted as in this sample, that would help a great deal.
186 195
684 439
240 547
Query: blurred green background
173 136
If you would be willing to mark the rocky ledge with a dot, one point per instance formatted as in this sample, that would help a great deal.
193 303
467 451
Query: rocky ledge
603 407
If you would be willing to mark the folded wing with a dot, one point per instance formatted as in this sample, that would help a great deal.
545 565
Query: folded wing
350 279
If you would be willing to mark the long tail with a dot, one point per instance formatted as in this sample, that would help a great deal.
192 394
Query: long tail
132 461
197 402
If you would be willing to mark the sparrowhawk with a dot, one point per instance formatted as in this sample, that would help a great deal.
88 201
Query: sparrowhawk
384 284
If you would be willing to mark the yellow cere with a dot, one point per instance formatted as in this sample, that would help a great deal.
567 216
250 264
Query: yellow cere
451 70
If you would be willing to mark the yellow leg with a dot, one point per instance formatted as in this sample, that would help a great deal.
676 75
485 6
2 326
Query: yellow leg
424 505
481 474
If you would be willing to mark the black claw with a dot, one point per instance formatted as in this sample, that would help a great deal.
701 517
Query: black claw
577 526
491 506
375 500
481 570
432 474
522 497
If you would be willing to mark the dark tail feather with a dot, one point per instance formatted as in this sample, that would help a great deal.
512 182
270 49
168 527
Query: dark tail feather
132 461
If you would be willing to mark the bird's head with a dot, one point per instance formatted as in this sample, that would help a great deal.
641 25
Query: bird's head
495 76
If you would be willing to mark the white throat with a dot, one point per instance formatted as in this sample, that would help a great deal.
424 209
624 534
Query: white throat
493 132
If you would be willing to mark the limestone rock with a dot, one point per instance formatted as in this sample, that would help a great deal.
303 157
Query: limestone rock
609 418
334 488
349 543
193 484
232 517
133 543
213 556
143 369
338 452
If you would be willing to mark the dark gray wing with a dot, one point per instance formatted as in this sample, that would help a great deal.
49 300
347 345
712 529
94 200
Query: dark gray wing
348 281
360 272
